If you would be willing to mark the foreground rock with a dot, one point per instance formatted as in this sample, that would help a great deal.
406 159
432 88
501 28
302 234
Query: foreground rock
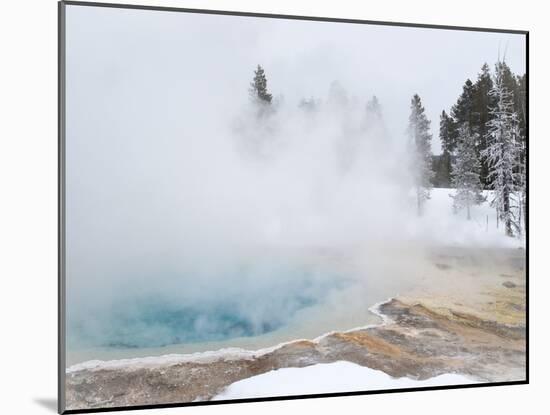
476 328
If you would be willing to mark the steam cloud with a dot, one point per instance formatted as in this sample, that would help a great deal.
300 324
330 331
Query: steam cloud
188 216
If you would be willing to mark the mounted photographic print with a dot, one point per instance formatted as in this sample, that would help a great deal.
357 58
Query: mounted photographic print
257 207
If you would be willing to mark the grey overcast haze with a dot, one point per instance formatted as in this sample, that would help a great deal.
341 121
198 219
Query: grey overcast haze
161 199
171 61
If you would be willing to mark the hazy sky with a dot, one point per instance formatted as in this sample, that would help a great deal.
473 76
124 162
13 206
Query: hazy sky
176 59
166 195
152 98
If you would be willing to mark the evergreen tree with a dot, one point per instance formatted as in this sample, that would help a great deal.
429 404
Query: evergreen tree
420 140
373 122
258 88
448 133
373 128
520 103
503 150
509 80
466 111
441 176
374 111
448 136
256 132
462 111
465 172
483 105
476 107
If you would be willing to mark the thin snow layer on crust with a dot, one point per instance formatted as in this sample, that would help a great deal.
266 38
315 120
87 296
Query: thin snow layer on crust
227 354
334 377
164 360
374 309
439 224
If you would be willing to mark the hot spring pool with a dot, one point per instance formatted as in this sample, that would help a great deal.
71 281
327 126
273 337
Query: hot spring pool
249 314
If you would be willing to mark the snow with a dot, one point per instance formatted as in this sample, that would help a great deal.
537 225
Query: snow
503 149
441 226
334 377
227 354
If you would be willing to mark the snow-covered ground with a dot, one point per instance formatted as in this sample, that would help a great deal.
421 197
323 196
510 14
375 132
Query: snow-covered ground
440 225
328 378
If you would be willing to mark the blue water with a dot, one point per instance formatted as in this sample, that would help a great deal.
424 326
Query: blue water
159 320
156 324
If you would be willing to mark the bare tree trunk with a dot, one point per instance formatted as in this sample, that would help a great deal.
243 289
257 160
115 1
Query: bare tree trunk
506 212
524 203
520 214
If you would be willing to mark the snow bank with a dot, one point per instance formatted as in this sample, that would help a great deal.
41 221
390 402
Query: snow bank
335 377
168 360
440 225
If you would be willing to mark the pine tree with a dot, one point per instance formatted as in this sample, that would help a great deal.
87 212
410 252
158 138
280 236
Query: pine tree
503 151
483 105
441 176
448 133
462 111
374 111
256 131
520 104
420 140
373 122
258 88
521 108
448 136
374 129
509 80
465 172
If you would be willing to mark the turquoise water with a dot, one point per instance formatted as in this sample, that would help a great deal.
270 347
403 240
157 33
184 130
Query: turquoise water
285 304
154 323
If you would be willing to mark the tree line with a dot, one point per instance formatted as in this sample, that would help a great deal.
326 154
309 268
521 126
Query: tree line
483 140
475 107
484 145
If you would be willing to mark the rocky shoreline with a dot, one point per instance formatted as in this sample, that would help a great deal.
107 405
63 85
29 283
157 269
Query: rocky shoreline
424 334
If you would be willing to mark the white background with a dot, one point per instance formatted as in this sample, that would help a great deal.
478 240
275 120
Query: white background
28 203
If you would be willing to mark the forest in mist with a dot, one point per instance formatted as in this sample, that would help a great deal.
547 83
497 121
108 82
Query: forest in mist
286 180
215 188
483 141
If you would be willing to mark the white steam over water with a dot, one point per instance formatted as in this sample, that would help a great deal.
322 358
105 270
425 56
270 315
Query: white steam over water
194 224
